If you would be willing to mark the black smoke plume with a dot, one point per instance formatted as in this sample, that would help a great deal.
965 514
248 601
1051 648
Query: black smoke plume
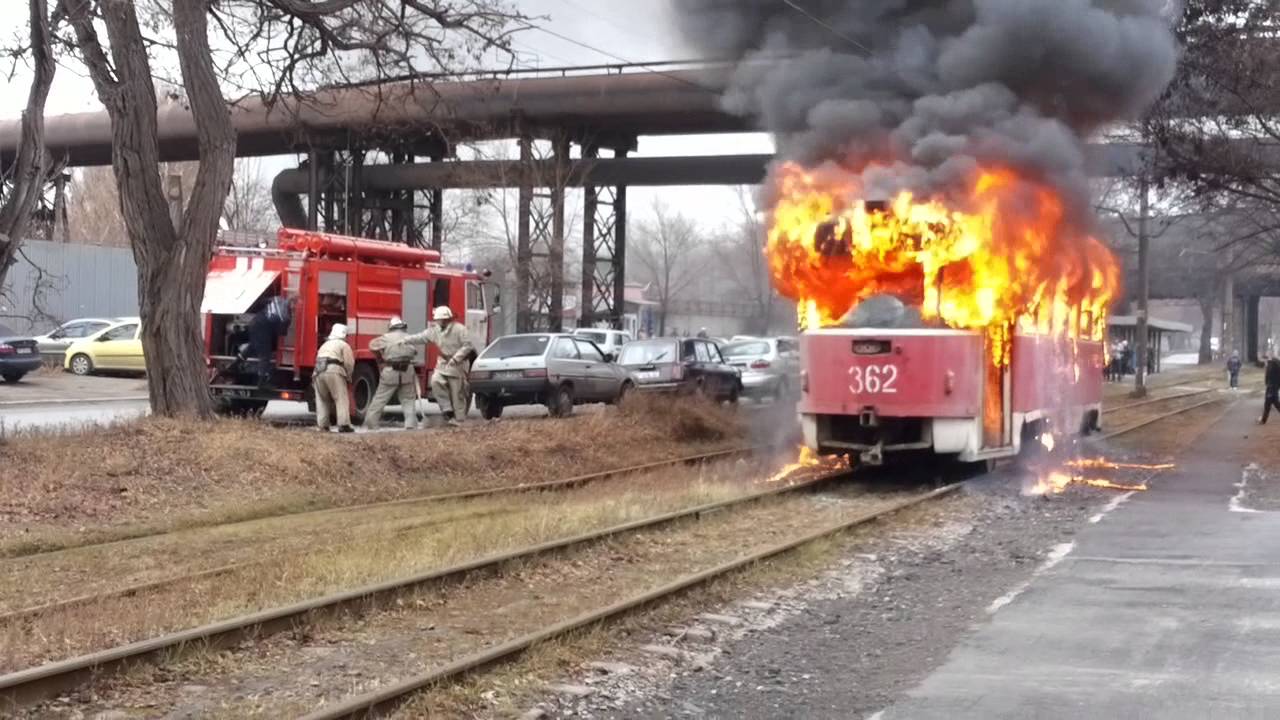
930 89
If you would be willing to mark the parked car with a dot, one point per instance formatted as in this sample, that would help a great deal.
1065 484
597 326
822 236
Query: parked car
692 365
55 342
18 355
770 367
117 347
553 369
609 341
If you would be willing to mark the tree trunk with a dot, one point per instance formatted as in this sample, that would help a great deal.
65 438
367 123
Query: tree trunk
1206 330
172 260
32 162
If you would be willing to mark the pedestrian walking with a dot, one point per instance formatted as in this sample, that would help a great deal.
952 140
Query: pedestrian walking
396 350
334 364
1272 378
1233 370
449 386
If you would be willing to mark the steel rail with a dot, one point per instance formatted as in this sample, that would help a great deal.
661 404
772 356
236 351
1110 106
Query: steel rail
380 701
34 611
440 497
26 687
1152 401
1157 418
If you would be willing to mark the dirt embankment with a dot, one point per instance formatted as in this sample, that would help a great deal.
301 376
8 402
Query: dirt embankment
156 474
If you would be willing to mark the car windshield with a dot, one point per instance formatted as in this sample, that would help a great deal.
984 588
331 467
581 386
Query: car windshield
514 346
745 349
646 352
598 338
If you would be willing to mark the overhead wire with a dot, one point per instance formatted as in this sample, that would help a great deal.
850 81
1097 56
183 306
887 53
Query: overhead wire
646 66
824 24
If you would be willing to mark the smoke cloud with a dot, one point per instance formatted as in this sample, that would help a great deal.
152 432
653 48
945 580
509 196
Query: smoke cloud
930 89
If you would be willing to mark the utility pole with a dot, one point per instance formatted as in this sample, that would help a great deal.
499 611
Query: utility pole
1144 290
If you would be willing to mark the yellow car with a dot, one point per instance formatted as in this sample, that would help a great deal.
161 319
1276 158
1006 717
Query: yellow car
117 347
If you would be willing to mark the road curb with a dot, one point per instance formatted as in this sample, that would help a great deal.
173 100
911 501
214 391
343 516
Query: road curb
83 401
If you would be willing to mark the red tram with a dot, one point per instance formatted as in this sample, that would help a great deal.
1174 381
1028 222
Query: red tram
868 392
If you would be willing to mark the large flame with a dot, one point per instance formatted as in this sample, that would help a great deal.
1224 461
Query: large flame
999 257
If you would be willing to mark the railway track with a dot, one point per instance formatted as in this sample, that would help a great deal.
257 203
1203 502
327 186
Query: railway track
574 481
26 687
386 699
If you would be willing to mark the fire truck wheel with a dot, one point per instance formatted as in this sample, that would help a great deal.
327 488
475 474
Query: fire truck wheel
490 407
242 408
364 383
561 403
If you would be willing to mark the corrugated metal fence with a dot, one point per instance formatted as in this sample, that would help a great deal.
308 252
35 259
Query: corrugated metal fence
78 281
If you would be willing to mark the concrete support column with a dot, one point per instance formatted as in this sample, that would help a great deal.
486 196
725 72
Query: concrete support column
524 250
619 252
555 254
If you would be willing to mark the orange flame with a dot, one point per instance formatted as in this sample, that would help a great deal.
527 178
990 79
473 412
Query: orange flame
1057 481
1002 256
1105 464
810 459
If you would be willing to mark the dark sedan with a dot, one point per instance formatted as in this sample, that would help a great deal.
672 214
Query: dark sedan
18 355
689 365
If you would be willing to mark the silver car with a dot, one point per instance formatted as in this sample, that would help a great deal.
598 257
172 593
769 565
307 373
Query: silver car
553 369
609 341
770 366
54 343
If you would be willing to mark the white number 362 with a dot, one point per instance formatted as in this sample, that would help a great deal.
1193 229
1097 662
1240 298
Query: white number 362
873 379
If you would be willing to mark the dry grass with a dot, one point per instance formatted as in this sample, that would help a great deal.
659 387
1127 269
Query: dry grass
149 475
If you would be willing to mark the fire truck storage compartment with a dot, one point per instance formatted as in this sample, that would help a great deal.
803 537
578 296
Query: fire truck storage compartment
331 302
232 296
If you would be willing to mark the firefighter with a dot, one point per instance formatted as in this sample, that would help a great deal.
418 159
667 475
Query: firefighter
334 364
449 385
396 350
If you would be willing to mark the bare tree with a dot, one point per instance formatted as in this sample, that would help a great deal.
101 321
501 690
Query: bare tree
26 176
249 207
740 251
276 46
1223 103
669 251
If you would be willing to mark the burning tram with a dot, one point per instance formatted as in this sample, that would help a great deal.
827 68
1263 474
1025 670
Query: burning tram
967 328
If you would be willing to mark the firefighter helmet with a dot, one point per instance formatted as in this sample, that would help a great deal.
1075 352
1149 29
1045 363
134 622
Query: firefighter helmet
442 313
338 332
397 323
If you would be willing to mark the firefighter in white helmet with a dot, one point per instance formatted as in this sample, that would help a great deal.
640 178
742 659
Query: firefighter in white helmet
396 350
449 380
334 363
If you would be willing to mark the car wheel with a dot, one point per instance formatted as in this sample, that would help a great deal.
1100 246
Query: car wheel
561 404
624 392
81 364
490 407
13 378
364 383
732 398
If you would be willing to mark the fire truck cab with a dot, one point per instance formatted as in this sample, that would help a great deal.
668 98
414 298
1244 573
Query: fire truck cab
327 279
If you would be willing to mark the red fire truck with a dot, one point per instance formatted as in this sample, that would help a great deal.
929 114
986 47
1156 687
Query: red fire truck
328 279
868 392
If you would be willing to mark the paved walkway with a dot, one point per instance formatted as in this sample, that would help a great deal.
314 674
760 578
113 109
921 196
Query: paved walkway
1169 607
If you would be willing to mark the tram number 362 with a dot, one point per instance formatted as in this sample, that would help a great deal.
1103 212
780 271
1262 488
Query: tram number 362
873 379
